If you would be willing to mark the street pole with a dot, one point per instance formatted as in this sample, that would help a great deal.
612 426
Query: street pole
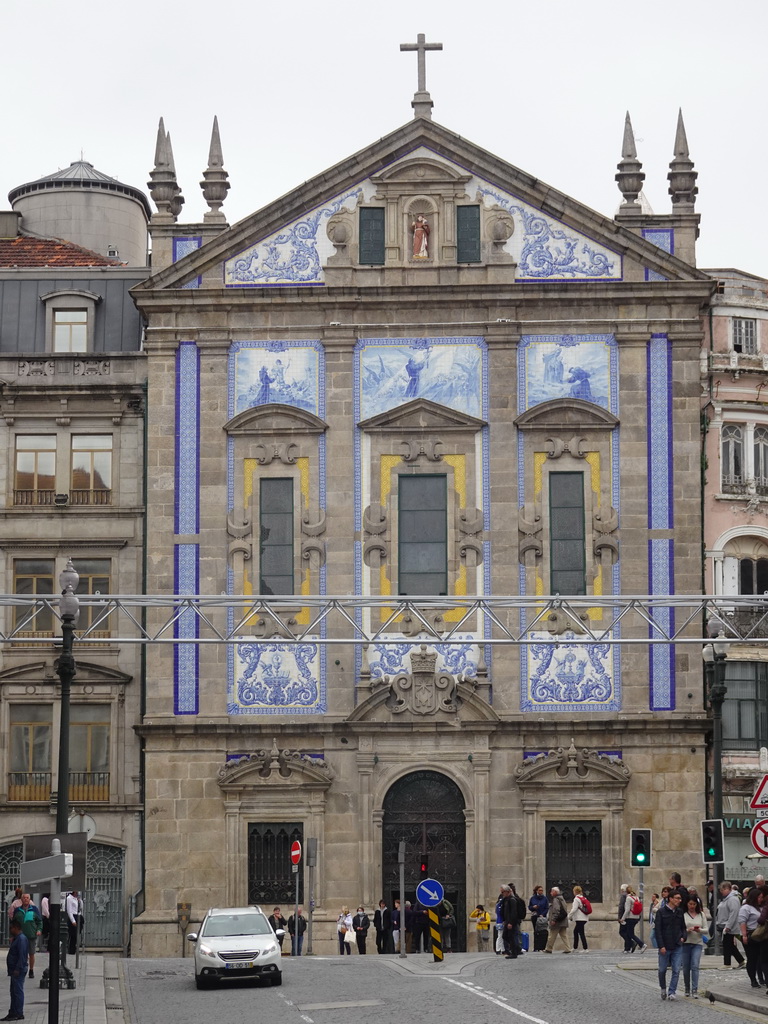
69 608
311 865
401 861
715 655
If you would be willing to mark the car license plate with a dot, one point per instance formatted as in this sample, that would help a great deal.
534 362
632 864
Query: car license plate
240 967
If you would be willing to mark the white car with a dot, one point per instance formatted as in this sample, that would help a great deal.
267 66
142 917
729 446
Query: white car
236 943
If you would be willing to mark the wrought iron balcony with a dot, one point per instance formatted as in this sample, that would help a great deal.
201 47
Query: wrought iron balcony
92 496
29 786
84 787
26 496
88 787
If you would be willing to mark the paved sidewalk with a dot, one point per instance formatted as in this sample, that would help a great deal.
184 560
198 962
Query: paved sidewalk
86 1004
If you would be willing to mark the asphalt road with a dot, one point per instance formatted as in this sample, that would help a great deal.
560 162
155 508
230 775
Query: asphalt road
466 989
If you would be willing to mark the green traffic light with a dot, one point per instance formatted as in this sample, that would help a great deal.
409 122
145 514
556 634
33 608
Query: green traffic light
640 857
711 851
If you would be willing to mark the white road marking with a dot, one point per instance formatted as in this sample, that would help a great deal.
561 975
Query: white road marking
306 1018
498 1002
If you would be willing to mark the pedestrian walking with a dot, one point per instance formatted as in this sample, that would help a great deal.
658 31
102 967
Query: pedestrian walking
344 927
31 921
17 963
578 916
633 911
513 910
72 906
538 906
557 920
727 923
695 927
622 904
482 920
360 924
670 936
749 915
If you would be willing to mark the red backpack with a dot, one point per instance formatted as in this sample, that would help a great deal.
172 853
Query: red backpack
586 906
637 908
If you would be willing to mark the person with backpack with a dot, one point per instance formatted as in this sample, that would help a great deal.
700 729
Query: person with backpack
482 920
31 922
579 913
633 911
538 905
557 919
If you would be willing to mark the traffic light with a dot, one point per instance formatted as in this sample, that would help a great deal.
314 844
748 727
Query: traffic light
424 866
640 847
712 844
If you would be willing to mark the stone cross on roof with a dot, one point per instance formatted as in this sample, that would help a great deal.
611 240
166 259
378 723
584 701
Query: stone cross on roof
422 101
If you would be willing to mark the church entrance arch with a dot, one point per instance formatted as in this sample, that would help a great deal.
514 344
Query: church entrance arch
425 810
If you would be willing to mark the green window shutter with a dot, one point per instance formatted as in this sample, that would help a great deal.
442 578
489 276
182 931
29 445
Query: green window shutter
567 558
423 535
468 234
276 527
372 234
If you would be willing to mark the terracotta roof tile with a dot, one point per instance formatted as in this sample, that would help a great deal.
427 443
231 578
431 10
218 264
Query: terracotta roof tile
25 251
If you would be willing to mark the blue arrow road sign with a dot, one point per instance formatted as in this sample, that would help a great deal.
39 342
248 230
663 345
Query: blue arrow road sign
429 892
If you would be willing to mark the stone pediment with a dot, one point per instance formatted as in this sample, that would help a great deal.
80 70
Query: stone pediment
276 767
572 767
285 242
566 414
275 419
43 673
421 414
423 173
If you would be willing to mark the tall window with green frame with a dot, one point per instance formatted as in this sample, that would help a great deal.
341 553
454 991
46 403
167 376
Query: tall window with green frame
567 557
276 531
423 535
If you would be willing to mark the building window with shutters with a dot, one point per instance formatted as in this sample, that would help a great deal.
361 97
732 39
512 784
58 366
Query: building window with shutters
468 234
422 535
371 248
744 335
745 710
276 533
567 555
732 459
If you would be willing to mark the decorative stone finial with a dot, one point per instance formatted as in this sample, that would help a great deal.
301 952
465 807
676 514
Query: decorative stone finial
215 184
682 177
630 177
163 186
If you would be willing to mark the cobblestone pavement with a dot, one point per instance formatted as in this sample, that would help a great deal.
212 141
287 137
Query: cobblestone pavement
583 988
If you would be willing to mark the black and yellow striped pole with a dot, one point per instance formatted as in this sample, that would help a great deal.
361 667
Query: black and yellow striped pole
434 931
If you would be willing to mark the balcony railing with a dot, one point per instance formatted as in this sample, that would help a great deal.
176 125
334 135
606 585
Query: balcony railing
84 787
29 786
33 497
91 497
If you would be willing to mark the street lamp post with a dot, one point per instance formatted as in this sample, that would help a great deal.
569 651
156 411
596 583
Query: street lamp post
69 609
715 655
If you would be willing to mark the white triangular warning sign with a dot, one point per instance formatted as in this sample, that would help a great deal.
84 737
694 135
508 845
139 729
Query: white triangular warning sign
759 801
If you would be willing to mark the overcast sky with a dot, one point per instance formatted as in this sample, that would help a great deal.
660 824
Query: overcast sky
299 85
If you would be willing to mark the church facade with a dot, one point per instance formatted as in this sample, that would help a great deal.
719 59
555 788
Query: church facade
423 375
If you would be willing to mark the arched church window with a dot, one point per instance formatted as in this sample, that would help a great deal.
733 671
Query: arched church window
753 576
733 458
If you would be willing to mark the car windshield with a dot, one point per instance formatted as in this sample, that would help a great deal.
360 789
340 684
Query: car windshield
237 924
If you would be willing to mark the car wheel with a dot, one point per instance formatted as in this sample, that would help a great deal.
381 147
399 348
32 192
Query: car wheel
277 979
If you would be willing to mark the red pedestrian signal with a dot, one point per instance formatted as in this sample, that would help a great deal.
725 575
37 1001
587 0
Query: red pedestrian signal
424 866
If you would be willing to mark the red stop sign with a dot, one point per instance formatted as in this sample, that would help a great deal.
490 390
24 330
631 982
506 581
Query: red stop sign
295 852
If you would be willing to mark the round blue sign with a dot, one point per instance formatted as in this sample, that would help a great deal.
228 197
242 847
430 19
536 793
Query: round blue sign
429 892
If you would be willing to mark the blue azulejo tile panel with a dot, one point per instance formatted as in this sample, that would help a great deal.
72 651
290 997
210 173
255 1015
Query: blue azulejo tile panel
278 679
186 571
581 366
187 494
293 255
289 373
448 371
460 659
183 247
567 676
661 581
660 434
664 238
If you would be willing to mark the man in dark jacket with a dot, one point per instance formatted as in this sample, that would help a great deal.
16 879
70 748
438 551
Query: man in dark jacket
276 920
17 964
361 923
382 922
296 930
670 936
510 910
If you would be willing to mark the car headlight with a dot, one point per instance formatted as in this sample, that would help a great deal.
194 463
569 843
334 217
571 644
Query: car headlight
205 950
270 949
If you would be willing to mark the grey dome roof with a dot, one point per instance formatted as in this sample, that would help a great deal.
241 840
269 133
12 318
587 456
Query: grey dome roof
80 174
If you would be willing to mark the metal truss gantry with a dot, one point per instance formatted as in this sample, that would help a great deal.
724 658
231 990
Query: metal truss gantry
334 621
